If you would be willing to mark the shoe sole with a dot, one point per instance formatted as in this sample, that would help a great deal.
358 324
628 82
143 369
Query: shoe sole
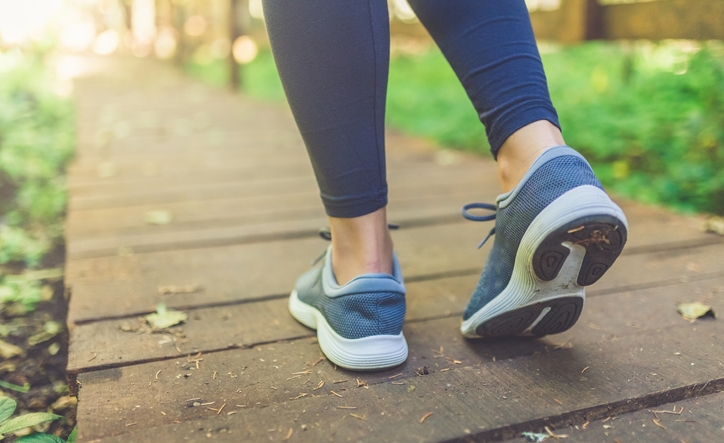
568 246
362 354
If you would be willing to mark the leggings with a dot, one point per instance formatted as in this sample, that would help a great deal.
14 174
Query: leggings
333 60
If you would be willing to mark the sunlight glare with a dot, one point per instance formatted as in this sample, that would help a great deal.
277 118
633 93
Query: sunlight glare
19 20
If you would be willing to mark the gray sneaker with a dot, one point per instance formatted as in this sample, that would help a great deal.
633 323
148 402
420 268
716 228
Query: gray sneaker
359 324
555 233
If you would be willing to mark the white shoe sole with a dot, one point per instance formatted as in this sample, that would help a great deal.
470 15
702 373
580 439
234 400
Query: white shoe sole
569 245
362 354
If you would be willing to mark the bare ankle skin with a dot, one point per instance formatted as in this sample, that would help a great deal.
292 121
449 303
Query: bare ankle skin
522 148
361 245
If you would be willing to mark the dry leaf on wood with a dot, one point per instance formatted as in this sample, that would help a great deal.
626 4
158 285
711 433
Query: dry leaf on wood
165 318
692 311
8 350
159 217
713 224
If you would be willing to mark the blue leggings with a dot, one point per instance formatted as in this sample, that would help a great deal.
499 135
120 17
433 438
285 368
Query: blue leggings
333 59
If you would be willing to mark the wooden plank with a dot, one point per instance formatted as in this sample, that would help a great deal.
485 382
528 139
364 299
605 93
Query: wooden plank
698 419
530 384
238 272
682 233
266 184
105 342
448 179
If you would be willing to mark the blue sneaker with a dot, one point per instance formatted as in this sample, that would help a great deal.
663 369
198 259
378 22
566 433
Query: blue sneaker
555 233
359 324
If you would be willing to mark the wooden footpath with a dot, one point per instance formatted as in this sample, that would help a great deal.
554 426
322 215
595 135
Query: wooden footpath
205 201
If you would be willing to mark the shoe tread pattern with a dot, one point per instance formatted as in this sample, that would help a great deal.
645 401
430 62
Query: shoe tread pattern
563 314
603 236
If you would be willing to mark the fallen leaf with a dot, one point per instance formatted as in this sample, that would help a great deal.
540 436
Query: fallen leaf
8 350
692 311
165 318
64 403
159 217
713 224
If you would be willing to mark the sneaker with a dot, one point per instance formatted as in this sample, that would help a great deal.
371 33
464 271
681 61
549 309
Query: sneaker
555 233
359 324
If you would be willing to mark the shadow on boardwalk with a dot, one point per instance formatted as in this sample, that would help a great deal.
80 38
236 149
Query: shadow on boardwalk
178 184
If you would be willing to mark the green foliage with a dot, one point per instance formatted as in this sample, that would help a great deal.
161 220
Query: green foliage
40 438
425 98
36 143
650 118
259 78
13 387
11 425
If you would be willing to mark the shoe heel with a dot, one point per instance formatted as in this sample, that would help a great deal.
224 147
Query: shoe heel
603 237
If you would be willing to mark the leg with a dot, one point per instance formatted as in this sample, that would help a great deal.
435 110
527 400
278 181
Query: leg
556 229
491 47
333 59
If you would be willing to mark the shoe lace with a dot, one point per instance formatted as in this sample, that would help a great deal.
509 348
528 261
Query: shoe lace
480 218
326 234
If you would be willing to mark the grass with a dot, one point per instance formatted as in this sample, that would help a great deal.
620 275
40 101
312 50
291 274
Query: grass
36 142
649 117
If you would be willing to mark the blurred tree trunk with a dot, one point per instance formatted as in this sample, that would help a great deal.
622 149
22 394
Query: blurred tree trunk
235 31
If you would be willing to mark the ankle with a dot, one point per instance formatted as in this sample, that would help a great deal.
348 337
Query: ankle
361 245
522 148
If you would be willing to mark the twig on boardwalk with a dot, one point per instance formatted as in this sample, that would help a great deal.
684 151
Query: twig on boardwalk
346 407
424 417
394 376
302 372
221 409
319 386
584 369
675 412
359 417
159 371
336 394
93 358
289 434
658 423
556 436
321 359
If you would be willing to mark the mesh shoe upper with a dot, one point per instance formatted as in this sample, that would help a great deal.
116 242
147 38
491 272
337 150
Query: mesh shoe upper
368 305
555 172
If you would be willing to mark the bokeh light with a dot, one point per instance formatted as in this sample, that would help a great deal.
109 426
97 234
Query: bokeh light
256 10
166 42
106 42
195 26
244 49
